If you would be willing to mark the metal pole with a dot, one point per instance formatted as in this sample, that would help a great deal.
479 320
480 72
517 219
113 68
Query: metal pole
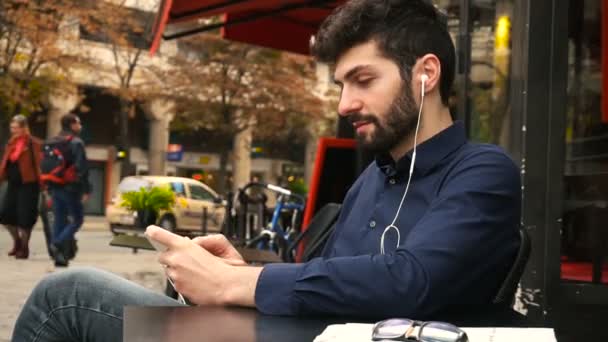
464 64
204 223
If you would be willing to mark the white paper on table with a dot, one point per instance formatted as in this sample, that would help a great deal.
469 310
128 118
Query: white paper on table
357 332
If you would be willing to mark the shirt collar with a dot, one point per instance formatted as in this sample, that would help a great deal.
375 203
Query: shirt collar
428 154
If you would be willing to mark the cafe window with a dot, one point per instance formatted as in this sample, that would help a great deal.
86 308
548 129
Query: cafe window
488 79
584 235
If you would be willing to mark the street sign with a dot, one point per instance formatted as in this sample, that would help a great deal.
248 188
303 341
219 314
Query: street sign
175 152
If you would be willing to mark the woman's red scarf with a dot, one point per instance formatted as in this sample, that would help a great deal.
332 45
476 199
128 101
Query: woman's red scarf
18 147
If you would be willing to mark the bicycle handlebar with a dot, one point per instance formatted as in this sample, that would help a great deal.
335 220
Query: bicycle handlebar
278 189
274 188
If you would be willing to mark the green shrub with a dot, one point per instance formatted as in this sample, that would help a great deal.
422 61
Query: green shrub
298 187
154 199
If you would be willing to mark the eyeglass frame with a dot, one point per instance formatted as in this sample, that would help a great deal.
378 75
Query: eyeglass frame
409 331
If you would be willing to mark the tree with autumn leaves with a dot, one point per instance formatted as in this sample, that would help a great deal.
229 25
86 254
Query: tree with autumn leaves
241 91
235 89
33 60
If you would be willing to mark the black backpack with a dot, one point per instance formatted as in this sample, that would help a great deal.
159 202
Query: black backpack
57 164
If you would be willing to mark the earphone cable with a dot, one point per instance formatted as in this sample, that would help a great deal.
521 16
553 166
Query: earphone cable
409 179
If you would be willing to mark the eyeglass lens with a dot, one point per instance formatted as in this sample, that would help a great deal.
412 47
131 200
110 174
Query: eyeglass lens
395 329
391 329
441 332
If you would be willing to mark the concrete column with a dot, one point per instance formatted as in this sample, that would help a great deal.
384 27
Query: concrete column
61 102
160 112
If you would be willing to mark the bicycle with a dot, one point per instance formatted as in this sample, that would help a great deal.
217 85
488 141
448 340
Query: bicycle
277 236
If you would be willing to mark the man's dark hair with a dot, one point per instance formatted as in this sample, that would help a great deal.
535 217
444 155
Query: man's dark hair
67 121
404 30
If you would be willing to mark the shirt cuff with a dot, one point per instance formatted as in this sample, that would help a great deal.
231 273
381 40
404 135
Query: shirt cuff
274 293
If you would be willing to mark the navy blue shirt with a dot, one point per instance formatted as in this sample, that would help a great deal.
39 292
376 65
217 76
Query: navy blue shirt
459 236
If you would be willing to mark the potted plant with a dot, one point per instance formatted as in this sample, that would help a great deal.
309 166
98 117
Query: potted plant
148 203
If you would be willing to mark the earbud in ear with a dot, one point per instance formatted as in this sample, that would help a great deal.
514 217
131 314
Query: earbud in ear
423 79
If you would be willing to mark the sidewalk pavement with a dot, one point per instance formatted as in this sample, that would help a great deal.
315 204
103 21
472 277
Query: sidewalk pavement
18 277
95 223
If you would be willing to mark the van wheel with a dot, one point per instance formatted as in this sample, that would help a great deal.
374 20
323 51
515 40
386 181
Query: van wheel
167 223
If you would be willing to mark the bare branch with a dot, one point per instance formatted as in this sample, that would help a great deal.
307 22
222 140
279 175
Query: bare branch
132 65
13 42
117 64
33 56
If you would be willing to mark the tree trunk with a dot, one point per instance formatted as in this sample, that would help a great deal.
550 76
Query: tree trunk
241 157
4 133
223 174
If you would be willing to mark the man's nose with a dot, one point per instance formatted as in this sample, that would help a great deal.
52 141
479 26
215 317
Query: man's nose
349 104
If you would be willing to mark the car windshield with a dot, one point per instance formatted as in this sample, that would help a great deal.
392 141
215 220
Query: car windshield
133 184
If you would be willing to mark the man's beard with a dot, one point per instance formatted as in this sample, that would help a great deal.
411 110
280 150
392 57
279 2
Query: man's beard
400 122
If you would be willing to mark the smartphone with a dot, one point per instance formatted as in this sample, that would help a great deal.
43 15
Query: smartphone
161 248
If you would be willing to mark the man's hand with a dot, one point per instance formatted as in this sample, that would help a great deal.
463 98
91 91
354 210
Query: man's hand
202 277
219 246
85 198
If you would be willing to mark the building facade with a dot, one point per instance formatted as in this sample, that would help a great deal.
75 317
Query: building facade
95 98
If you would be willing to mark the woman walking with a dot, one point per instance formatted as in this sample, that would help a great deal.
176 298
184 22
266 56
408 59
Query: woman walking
20 167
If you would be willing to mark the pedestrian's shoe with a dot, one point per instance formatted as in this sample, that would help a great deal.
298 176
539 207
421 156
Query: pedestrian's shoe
23 252
72 249
60 259
13 251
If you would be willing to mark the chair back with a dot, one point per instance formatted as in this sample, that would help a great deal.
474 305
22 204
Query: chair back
506 293
318 231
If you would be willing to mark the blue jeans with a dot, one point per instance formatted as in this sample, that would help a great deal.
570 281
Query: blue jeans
66 203
81 305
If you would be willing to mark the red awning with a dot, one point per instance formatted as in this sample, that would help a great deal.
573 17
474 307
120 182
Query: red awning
279 24
604 46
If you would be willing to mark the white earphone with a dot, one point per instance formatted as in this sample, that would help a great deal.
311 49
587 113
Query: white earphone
423 79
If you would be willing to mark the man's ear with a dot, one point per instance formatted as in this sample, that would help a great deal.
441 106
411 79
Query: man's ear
430 66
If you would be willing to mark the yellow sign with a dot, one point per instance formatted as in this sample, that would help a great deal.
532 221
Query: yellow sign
503 32
204 160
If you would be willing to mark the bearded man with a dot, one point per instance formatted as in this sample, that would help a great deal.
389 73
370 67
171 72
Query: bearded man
429 229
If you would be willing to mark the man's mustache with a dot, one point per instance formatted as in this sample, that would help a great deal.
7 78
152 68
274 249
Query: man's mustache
354 117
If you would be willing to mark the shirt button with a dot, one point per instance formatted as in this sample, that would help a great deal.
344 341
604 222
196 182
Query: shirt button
392 181
372 224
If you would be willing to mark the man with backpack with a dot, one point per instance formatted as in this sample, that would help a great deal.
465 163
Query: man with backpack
64 172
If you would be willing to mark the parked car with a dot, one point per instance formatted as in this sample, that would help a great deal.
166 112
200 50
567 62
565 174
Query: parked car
186 216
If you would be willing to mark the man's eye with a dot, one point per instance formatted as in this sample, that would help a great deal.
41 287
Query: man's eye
364 81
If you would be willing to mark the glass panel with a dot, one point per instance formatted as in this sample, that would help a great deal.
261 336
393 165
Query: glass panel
451 9
199 193
584 236
133 184
490 69
179 189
